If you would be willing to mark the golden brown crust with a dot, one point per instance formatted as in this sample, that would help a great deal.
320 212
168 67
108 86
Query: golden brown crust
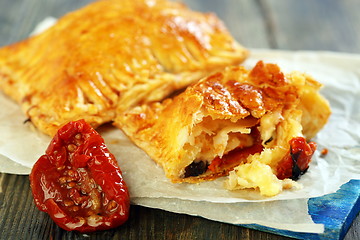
113 53
253 110
313 118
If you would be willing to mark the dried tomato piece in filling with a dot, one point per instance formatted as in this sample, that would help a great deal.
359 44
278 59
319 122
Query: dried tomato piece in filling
78 182
296 162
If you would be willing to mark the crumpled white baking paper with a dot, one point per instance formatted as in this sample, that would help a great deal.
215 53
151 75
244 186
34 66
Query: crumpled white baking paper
21 145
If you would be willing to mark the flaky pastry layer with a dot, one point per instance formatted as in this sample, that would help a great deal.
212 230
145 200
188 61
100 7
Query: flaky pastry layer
232 119
113 54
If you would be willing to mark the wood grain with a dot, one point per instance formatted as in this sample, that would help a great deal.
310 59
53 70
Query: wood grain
20 219
284 24
316 25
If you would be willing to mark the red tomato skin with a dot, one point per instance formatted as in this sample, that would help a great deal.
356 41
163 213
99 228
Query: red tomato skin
296 162
89 156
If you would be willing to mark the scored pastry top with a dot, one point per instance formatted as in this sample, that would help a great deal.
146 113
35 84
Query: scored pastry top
113 54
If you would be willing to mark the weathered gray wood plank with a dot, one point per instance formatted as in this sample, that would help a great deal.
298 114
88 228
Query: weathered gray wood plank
243 18
18 17
20 219
316 25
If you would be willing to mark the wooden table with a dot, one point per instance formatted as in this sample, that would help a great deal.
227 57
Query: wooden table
280 24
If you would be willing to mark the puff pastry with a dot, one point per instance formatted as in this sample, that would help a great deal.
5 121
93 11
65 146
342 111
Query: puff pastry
113 54
235 122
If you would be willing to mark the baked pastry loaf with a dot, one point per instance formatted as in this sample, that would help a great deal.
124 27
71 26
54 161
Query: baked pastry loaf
247 120
113 53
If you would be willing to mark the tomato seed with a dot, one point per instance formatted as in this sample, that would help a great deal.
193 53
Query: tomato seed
73 193
81 220
71 184
68 203
61 168
95 199
75 208
78 139
78 136
71 147
93 183
62 180
112 206
94 219
105 201
89 204
72 173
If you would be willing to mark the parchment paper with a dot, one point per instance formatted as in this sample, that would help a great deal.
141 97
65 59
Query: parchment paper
21 145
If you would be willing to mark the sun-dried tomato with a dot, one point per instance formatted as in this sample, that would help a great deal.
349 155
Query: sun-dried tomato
296 162
78 182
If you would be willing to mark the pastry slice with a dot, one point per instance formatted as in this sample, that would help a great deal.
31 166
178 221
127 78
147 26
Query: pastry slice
113 54
247 120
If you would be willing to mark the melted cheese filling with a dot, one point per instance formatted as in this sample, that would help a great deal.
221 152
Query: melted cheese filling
215 138
258 172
